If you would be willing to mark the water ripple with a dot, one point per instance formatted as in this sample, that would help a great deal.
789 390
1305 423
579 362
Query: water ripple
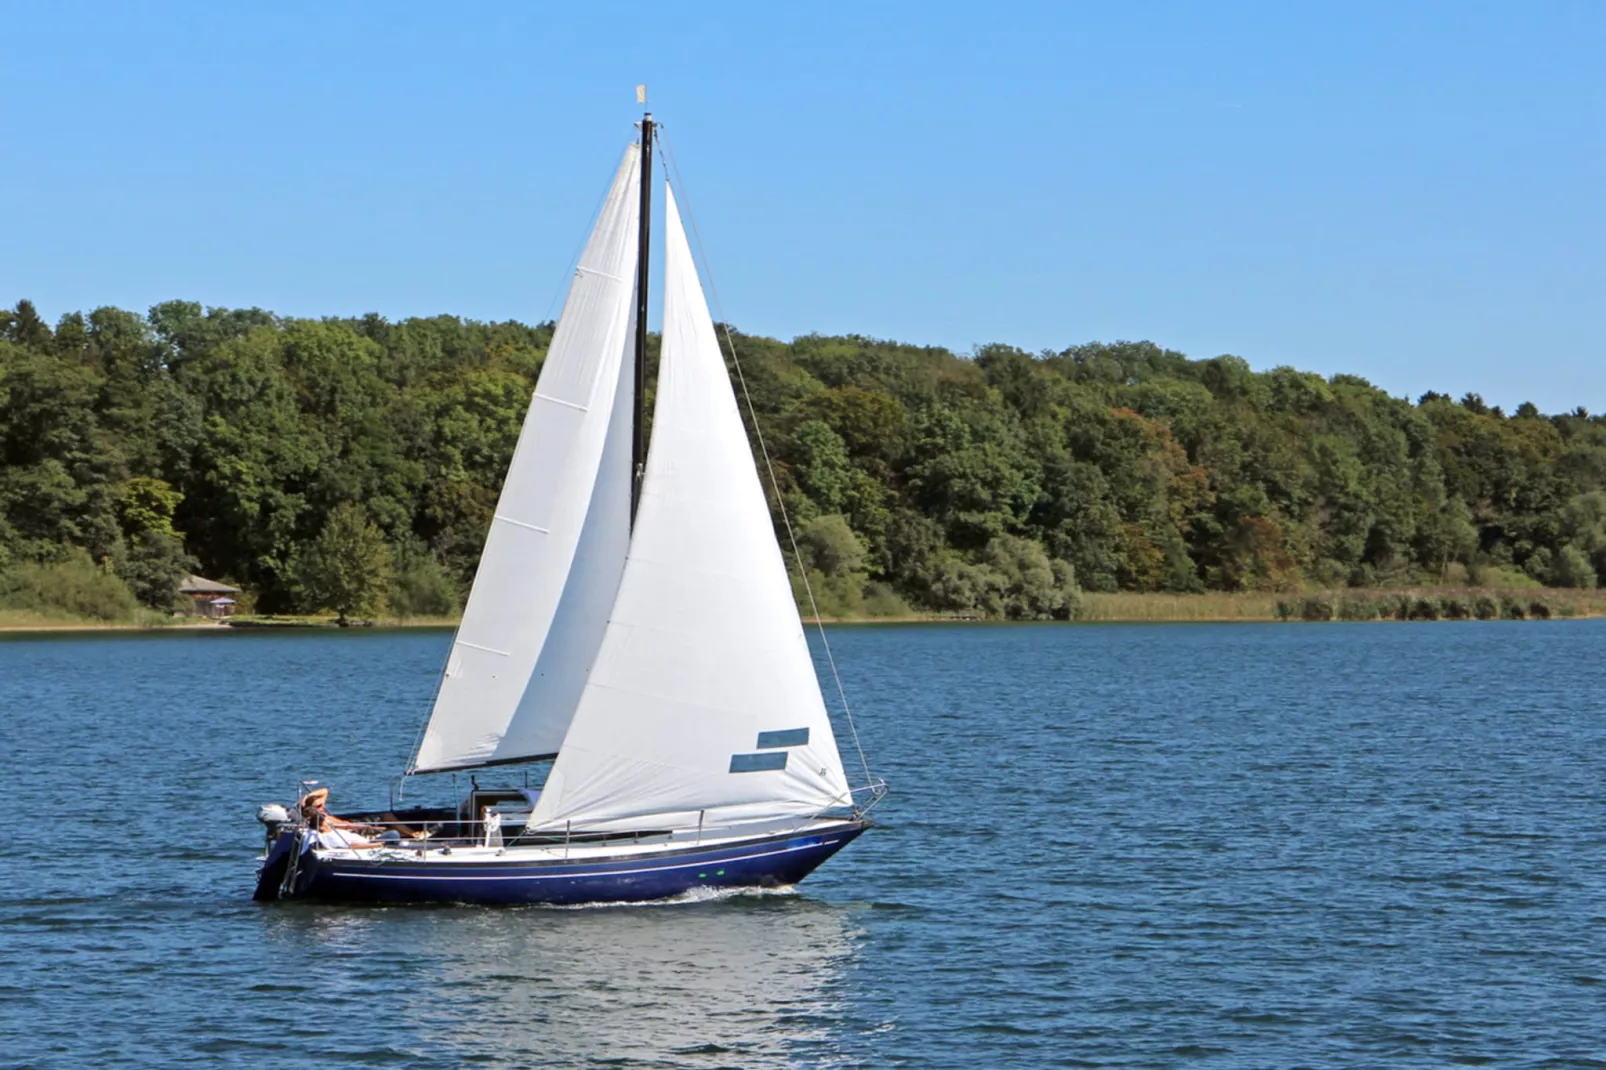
1111 846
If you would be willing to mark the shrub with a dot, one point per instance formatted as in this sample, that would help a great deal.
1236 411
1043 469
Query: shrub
830 545
422 588
1423 609
73 587
834 596
1500 576
1034 586
882 601
1572 568
1511 609
1538 610
1014 579
1316 608
1485 608
1358 609
1454 608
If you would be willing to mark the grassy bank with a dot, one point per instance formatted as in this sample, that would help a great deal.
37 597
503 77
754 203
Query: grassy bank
319 620
27 620
33 620
1350 604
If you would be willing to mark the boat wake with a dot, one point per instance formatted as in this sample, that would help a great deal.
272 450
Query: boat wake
692 895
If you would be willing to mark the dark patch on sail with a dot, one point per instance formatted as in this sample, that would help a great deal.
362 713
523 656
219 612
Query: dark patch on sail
757 763
790 737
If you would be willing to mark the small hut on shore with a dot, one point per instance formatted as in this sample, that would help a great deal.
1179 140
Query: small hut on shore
209 598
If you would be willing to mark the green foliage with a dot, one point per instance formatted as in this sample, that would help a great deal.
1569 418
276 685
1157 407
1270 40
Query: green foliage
228 440
72 587
834 557
1501 577
822 465
1571 567
153 564
1029 585
830 546
348 568
421 587
145 506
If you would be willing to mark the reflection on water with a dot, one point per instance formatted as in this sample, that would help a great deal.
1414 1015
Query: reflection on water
752 981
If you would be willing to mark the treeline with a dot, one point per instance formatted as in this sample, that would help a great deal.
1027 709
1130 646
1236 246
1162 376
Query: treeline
353 464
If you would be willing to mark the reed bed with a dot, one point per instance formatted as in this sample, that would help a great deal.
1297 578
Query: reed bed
1215 605
1351 604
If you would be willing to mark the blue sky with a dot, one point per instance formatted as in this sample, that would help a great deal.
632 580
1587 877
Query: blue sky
1412 192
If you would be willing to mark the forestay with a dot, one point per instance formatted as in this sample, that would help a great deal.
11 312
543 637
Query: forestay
555 550
702 706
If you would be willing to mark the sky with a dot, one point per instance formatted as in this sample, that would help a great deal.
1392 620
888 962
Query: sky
1410 192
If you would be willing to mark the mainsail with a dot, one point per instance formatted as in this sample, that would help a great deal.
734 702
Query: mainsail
555 550
702 705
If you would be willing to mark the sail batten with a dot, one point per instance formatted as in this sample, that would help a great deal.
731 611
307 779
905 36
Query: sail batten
556 545
703 652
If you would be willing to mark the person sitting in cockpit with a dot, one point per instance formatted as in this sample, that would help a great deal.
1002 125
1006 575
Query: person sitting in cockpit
333 832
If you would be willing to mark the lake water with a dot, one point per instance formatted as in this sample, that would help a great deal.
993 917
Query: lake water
1213 845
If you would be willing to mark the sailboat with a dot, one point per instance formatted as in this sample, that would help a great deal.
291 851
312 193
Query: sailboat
631 622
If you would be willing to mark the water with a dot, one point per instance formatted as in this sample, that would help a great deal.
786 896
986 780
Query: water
1237 845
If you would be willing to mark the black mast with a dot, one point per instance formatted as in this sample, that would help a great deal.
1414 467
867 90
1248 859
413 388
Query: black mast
638 444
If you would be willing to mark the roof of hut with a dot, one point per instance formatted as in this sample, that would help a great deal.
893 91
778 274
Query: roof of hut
202 585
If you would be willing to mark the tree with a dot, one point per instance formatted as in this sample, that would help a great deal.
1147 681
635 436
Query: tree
152 566
831 546
966 485
421 587
821 462
1571 568
348 568
24 327
152 559
833 559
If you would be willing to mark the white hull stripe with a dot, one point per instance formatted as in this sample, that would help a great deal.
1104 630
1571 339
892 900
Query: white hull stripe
568 876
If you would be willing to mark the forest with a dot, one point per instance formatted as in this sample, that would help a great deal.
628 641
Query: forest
352 465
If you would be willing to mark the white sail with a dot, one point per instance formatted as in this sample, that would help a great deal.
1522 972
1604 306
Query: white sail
535 578
702 705
554 689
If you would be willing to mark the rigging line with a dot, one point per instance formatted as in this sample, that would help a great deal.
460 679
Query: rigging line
769 466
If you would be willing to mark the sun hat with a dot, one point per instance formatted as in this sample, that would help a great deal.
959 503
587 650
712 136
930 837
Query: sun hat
314 797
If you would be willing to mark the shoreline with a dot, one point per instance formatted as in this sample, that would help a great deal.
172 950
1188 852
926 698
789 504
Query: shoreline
1349 604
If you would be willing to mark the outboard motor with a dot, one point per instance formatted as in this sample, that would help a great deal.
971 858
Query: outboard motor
275 817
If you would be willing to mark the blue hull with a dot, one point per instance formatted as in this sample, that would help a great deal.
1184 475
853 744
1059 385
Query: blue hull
766 862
